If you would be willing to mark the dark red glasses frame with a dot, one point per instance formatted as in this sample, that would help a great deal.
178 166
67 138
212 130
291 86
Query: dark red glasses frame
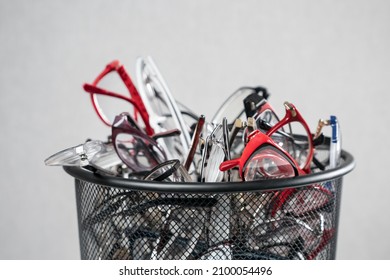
124 124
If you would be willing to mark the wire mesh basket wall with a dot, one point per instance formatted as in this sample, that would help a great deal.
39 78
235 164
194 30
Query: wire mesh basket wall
294 218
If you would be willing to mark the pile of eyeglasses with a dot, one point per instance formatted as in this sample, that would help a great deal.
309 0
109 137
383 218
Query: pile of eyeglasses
154 137
158 138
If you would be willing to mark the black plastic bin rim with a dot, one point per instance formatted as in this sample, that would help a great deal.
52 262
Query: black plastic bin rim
83 174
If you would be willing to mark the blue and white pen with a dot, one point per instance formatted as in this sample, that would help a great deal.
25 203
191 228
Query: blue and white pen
335 144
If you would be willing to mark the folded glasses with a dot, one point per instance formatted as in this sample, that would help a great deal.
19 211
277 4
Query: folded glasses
215 151
137 150
165 112
93 153
292 238
127 144
273 155
179 222
265 157
156 227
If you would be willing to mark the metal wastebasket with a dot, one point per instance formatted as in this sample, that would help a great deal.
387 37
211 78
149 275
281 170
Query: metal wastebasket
294 218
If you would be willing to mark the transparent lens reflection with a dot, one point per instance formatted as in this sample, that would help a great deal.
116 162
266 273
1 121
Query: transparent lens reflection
267 163
137 153
294 139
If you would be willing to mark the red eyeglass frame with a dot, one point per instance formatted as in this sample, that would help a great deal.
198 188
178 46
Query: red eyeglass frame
135 99
257 139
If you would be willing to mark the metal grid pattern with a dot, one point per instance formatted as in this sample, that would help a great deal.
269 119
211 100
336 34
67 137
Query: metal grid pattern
294 223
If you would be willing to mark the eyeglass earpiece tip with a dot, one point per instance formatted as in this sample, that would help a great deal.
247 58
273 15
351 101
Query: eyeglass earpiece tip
289 106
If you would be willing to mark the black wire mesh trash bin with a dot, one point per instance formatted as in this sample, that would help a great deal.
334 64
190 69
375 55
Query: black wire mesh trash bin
295 218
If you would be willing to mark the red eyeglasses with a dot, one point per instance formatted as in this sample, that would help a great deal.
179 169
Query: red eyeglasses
281 154
135 99
276 154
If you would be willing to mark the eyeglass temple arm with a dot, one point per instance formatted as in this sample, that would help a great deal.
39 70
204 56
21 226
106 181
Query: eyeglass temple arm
251 124
195 141
321 124
136 96
92 89
168 133
118 67
238 125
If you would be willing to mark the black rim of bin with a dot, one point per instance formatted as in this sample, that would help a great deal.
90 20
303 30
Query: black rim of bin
346 166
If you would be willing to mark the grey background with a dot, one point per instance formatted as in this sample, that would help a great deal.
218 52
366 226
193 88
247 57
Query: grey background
327 57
